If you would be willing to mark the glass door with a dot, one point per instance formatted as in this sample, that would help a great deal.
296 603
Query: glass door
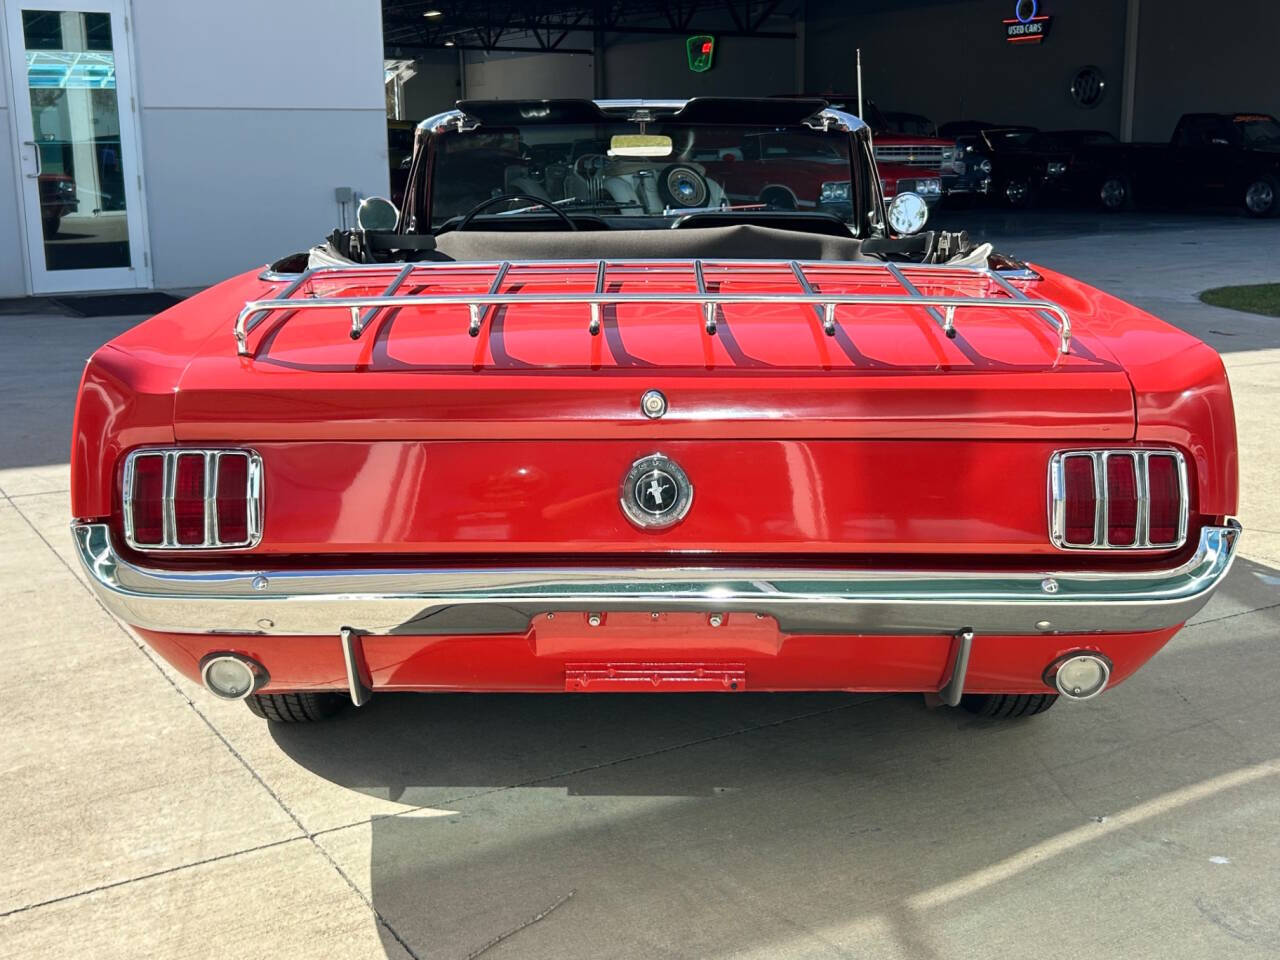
73 103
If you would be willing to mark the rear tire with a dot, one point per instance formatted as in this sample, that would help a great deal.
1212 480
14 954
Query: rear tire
1115 193
294 707
1262 197
1007 706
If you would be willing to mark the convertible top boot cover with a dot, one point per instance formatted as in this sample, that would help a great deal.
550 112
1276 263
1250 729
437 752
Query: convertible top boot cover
736 242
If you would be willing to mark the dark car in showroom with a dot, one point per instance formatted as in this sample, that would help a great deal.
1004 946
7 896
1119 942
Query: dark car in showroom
1077 166
1019 163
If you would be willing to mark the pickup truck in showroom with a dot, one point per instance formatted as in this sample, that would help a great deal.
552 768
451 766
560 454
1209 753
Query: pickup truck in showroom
1230 159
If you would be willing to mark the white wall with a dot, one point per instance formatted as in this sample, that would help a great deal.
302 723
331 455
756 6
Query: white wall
251 114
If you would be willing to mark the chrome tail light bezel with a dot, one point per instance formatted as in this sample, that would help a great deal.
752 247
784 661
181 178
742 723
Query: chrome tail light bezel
1141 457
213 457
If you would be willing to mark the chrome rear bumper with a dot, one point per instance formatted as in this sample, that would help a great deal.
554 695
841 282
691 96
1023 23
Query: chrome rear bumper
464 600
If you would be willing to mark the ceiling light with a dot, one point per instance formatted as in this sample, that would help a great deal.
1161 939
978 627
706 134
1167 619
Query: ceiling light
432 14
448 43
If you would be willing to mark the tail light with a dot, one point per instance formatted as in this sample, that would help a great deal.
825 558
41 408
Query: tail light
1118 499
192 499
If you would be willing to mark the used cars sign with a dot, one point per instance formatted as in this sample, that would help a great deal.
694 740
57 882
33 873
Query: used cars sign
1028 24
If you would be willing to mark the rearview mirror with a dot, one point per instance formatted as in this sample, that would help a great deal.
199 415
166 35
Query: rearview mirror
639 145
377 214
908 213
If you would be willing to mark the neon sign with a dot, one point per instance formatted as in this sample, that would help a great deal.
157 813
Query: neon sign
1028 24
700 50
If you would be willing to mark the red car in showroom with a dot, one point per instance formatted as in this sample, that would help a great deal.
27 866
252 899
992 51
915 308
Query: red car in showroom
785 171
571 422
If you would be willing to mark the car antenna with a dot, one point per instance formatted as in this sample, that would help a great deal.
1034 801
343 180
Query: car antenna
859 67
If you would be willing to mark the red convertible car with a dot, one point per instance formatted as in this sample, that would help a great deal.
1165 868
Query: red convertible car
570 421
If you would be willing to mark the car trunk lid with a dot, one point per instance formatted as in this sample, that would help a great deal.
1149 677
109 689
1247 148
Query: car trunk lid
771 369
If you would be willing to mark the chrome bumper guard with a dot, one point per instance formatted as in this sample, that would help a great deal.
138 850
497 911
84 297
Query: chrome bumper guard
465 600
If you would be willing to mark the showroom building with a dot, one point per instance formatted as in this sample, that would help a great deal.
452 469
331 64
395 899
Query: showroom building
155 144
168 144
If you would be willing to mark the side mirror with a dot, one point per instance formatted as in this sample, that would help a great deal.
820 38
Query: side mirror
908 213
377 214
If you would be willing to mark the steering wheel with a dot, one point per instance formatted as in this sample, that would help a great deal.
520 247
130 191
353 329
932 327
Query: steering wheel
580 163
536 201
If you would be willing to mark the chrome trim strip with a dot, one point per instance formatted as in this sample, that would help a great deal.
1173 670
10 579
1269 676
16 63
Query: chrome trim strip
255 311
947 323
1022 273
246 322
1056 318
1141 464
213 457
463 600
359 322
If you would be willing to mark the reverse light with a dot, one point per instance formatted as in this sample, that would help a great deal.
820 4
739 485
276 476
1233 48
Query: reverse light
181 499
1117 499
231 676
1079 676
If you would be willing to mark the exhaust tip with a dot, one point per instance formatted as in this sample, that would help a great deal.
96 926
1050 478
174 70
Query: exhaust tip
1079 676
230 676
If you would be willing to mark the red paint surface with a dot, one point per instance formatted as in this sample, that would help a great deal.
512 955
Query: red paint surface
561 497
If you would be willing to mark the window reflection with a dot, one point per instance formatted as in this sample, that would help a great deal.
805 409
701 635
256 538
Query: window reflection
71 82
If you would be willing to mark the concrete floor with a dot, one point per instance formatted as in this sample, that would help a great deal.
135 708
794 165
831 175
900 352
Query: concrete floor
139 817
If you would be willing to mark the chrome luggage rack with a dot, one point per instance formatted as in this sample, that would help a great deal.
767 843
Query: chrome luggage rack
364 309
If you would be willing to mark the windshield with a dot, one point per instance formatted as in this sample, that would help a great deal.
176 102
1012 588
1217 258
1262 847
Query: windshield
1259 131
593 169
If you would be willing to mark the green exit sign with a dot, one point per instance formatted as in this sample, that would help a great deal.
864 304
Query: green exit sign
700 50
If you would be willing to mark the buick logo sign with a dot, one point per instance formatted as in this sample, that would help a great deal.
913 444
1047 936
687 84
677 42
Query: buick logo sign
1088 87
655 492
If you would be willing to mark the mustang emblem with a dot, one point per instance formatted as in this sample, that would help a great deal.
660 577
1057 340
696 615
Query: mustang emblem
655 492
659 485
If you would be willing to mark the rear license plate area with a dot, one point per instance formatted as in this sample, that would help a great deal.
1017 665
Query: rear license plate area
655 677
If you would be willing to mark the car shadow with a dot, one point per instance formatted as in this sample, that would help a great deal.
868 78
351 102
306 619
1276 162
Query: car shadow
805 824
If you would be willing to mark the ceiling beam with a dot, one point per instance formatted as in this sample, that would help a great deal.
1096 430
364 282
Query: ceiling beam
403 51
